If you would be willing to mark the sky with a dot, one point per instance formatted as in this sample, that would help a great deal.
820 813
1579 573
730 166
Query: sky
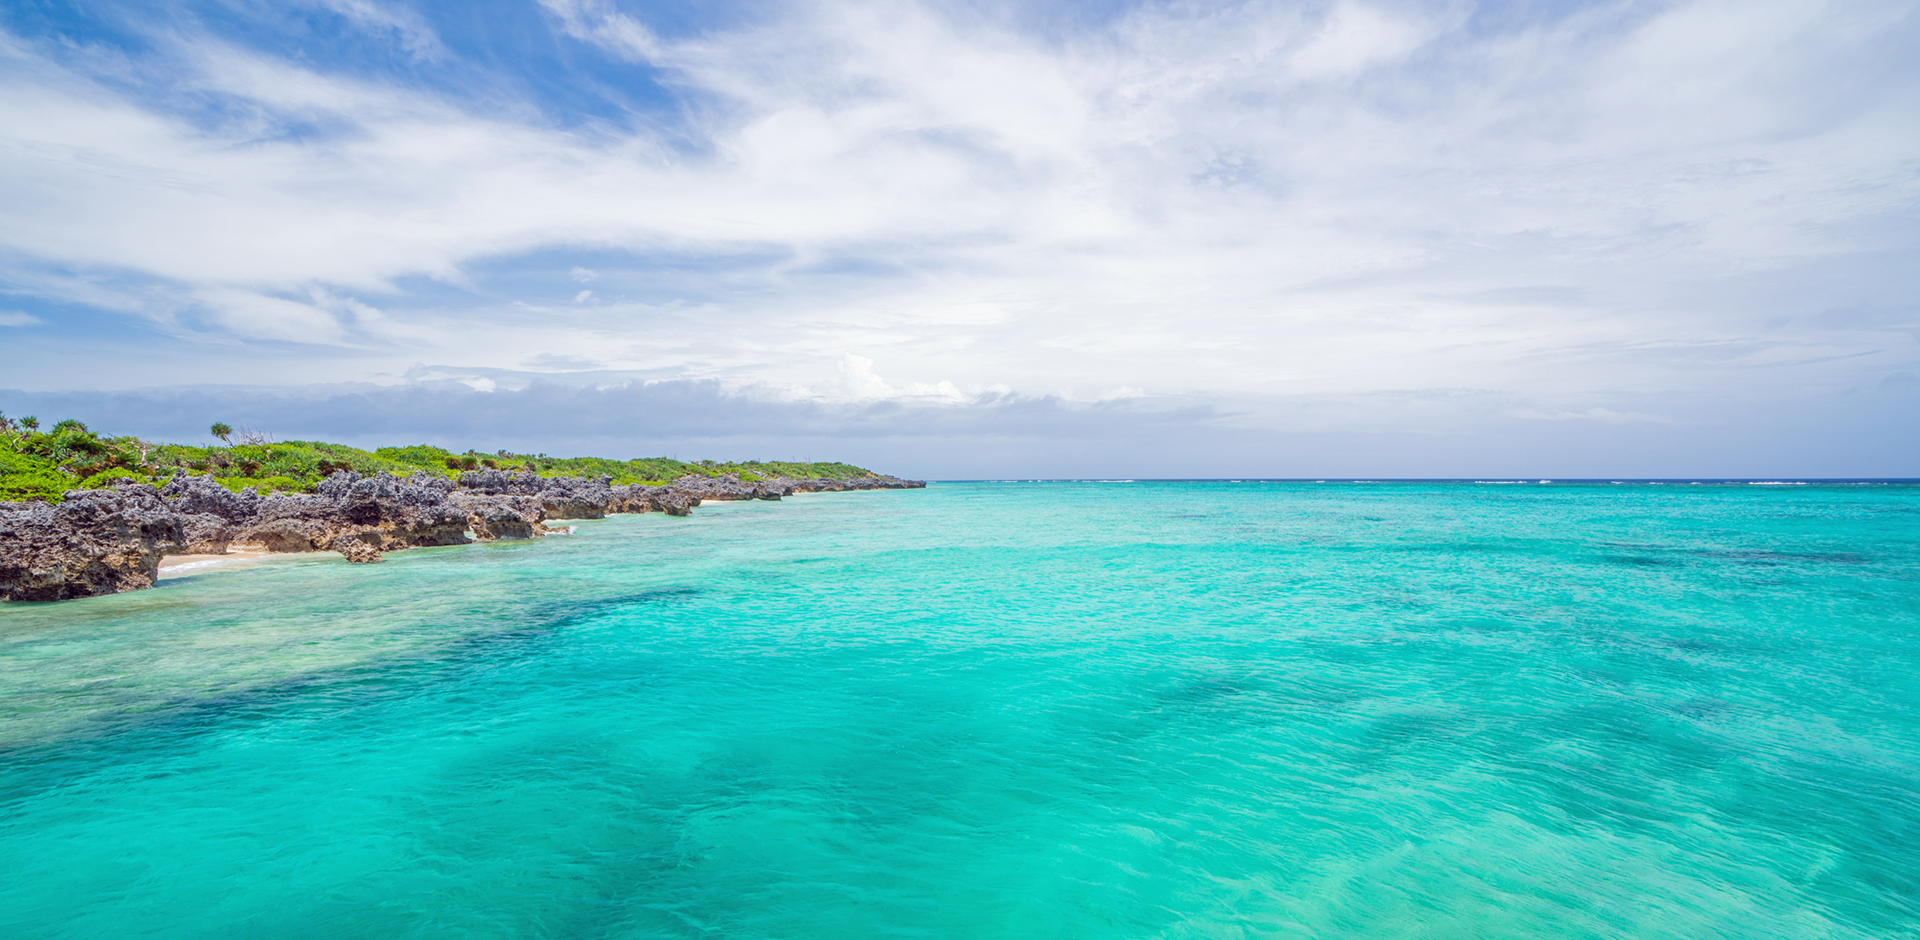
980 240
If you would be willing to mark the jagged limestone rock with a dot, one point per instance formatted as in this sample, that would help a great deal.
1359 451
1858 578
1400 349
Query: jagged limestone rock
357 551
104 541
94 542
207 534
501 517
200 495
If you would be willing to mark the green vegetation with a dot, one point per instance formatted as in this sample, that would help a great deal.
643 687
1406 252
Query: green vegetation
42 466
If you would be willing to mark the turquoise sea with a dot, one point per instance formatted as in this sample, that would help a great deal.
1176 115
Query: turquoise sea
1083 710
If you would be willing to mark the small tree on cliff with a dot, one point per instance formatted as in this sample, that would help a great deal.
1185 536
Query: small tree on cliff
220 430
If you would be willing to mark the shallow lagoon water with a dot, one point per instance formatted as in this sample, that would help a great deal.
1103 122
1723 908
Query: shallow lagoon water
991 710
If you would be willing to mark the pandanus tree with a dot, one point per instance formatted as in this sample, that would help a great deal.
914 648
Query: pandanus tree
221 430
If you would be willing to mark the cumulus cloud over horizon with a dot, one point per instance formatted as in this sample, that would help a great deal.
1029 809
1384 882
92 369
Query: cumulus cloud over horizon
1395 433
1604 215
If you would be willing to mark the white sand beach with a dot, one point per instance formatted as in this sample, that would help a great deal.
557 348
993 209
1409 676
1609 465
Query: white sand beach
174 566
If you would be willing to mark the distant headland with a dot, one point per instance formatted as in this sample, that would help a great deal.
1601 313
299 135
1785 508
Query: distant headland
82 514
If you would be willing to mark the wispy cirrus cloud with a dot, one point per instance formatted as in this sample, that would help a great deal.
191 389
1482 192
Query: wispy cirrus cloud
602 23
901 201
411 29
1606 415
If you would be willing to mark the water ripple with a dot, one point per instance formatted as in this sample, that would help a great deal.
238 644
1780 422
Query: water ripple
1036 710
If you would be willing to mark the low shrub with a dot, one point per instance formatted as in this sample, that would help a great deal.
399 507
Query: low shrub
102 480
25 477
417 455
266 485
41 466
31 487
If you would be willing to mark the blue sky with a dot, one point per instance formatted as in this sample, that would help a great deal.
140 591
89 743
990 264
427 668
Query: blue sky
989 239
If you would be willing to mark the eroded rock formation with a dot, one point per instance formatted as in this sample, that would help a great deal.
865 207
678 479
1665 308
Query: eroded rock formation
384 512
95 542
106 541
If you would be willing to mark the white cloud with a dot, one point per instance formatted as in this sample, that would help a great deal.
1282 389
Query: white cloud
414 34
600 22
262 316
1355 37
1249 201
1464 433
16 318
858 381
861 382
1605 415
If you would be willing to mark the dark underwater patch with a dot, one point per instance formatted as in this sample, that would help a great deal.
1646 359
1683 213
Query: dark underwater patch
1763 557
167 726
560 613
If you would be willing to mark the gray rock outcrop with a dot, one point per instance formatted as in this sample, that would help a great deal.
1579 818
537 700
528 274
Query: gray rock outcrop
500 517
207 534
106 541
383 511
730 487
357 552
203 496
94 542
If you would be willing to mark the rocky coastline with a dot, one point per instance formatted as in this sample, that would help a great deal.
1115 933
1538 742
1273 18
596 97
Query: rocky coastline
105 541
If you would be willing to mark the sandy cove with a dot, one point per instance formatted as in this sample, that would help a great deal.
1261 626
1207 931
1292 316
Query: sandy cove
173 566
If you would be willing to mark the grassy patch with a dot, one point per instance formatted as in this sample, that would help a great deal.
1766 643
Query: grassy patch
276 484
41 465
